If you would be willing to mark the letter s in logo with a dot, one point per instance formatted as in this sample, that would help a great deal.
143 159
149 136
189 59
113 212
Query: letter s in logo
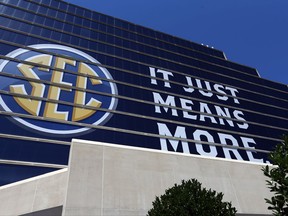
60 84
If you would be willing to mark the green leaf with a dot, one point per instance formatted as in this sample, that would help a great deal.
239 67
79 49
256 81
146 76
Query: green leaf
278 183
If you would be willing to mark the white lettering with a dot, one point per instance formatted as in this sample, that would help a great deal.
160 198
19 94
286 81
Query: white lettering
225 113
205 109
236 114
246 142
179 133
227 151
199 147
233 93
170 101
208 87
189 82
184 105
218 88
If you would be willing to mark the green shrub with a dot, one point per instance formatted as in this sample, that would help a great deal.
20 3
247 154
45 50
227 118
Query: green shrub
278 179
190 199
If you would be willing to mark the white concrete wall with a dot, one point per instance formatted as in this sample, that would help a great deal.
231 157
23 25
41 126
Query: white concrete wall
116 180
34 194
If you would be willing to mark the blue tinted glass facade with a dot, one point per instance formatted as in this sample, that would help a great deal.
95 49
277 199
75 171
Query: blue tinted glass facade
69 72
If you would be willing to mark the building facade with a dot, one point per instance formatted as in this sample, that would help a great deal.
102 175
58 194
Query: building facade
69 72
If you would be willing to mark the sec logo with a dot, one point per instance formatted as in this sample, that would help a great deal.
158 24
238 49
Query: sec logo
61 85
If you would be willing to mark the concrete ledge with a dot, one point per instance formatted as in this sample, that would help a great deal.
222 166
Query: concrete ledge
116 180
34 194
107 179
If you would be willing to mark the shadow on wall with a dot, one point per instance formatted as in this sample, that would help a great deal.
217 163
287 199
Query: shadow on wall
57 211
